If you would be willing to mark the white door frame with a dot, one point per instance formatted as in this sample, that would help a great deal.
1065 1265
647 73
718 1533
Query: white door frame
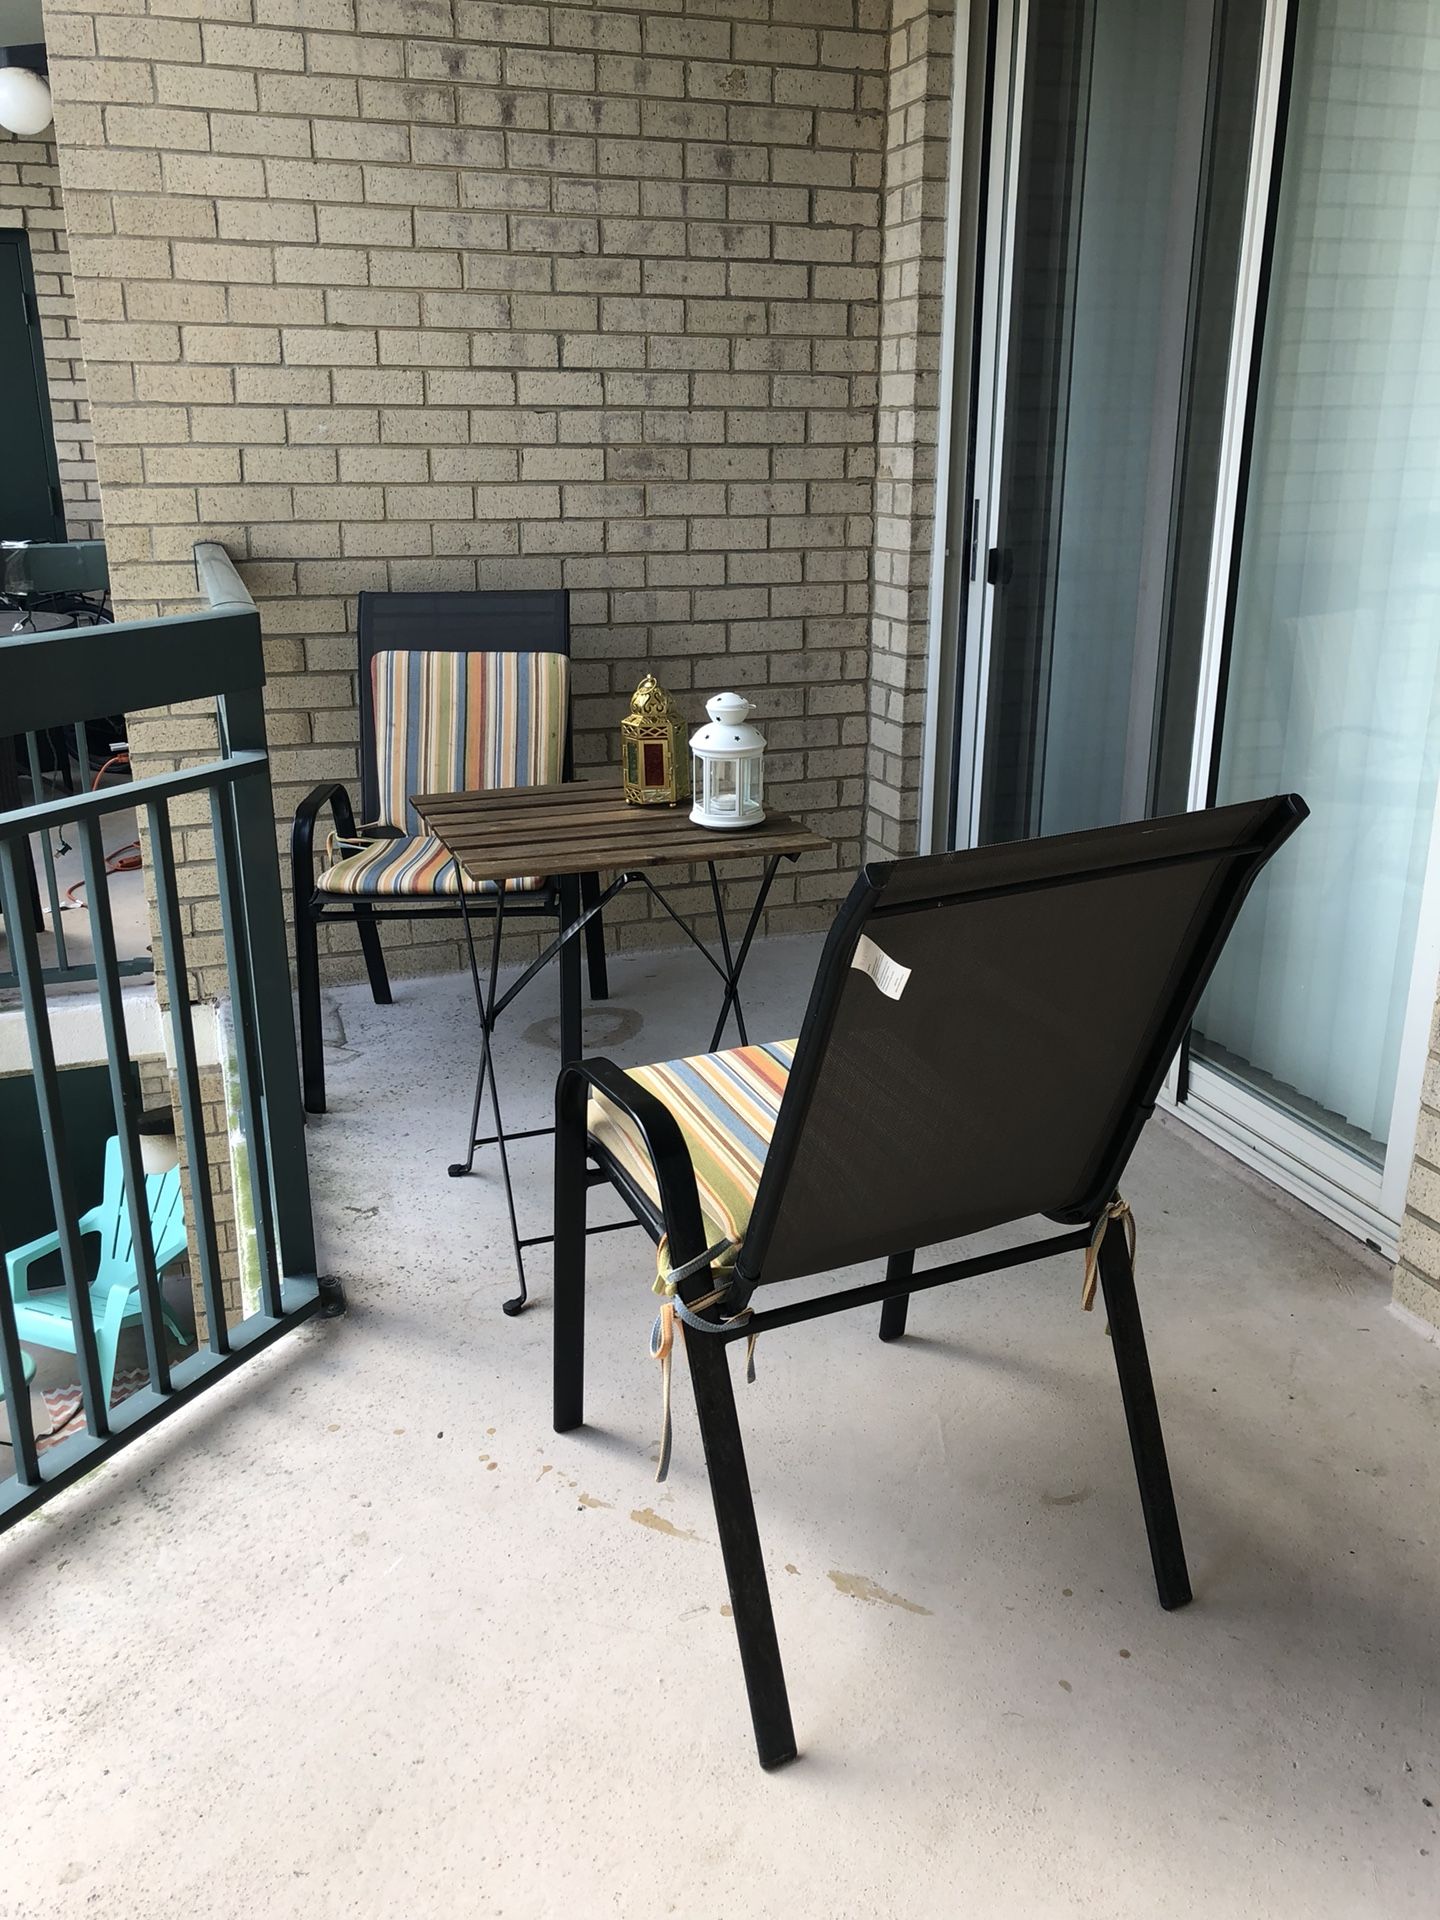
966 524
948 547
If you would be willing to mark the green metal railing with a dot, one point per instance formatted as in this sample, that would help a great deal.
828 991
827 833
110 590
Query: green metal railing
73 675
63 744
53 577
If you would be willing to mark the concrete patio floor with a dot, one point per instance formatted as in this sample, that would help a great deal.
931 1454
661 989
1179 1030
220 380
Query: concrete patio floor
359 1635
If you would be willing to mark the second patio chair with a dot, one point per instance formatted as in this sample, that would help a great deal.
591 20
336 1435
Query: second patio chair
986 1037
458 692
43 1316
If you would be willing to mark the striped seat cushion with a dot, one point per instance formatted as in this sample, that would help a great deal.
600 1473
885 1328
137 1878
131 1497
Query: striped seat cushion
464 723
725 1104
415 864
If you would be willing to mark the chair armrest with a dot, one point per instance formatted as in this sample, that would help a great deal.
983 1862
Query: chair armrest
302 833
19 1260
665 1143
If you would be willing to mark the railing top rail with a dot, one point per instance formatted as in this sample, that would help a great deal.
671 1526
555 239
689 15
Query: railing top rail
133 794
83 673
219 578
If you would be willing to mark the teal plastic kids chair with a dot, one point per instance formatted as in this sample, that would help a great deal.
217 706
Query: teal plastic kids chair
44 1318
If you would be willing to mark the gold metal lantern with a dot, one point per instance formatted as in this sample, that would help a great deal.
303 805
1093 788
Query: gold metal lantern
653 760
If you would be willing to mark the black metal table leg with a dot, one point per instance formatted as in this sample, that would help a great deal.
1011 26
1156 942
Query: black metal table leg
732 973
571 1046
485 1006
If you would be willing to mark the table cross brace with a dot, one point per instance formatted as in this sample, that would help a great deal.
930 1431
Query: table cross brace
490 1004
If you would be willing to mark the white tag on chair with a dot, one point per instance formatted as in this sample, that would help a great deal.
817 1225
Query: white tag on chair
889 976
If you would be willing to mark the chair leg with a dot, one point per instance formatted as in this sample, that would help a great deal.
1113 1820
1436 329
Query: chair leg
571 1192
594 938
899 1266
307 986
368 927
1147 1443
740 1545
108 1329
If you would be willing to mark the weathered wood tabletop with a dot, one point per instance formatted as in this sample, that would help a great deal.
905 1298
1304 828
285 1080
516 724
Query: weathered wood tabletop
584 826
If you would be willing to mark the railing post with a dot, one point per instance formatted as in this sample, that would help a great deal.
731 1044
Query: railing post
242 725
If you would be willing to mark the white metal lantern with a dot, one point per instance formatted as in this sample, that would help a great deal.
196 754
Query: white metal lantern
726 758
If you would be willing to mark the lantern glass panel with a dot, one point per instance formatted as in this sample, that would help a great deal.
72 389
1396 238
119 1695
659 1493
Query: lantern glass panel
752 782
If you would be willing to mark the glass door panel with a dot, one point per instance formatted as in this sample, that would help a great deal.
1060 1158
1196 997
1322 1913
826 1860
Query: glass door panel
1332 686
1116 173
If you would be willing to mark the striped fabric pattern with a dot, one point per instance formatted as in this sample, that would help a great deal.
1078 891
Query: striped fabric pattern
415 864
452 723
464 723
726 1105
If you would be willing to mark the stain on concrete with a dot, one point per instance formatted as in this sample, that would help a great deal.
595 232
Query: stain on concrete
657 1523
790 1567
589 1500
1066 1499
727 1612
605 1027
1124 1653
860 1587
1066 1685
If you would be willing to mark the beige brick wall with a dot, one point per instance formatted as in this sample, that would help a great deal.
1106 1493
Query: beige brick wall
916 173
30 198
395 294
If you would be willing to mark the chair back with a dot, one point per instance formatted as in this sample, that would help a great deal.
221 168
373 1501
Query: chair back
167 1220
988 1032
447 737
463 722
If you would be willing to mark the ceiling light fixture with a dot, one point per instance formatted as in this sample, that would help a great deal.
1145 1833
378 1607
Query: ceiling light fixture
25 104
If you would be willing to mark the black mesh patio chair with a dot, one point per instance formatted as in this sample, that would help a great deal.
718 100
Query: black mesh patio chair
458 691
986 1037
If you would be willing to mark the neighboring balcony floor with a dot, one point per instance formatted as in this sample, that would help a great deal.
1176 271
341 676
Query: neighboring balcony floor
360 1635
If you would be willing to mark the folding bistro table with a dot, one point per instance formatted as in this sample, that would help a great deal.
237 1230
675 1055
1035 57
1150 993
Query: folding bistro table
587 827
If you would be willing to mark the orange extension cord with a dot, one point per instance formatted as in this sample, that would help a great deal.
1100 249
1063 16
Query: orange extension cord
124 859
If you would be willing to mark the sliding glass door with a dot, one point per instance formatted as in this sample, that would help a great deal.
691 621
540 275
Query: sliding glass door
1120 231
1331 657
1204 554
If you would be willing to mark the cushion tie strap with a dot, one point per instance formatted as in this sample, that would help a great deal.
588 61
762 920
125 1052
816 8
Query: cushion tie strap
662 1336
1118 1209
722 1254
343 845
